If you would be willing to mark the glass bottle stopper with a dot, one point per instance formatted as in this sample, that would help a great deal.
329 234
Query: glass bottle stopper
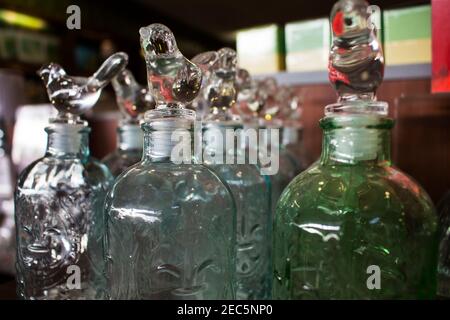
270 110
73 96
132 98
220 88
356 62
247 104
174 80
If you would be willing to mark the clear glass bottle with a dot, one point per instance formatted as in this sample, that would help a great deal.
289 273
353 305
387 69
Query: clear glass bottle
292 142
444 248
250 189
133 101
352 226
171 223
292 134
260 110
7 230
59 198
287 168
271 138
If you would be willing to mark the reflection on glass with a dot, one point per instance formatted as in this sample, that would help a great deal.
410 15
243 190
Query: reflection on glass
352 226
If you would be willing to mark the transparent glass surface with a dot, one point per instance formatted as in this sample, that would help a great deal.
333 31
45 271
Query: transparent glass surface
133 101
72 95
128 152
356 63
351 213
251 192
59 221
170 222
170 234
120 160
293 144
444 248
7 230
298 156
286 173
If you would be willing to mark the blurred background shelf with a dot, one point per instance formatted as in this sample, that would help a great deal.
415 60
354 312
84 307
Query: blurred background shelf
400 72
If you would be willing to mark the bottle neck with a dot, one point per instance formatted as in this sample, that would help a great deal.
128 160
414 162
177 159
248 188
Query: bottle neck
169 136
130 137
355 139
67 140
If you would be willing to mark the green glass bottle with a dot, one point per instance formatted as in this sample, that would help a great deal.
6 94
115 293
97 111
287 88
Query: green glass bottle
352 226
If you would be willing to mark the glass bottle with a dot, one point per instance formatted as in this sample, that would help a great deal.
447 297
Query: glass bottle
250 189
59 198
444 248
271 138
170 221
7 230
352 226
292 134
133 100
260 111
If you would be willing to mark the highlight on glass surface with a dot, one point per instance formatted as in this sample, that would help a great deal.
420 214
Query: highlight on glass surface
171 227
59 198
352 226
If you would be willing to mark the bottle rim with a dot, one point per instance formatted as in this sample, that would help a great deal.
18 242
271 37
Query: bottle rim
356 107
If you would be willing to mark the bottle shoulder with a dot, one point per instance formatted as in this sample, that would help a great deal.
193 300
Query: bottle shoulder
169 188
245 174
49 172
146 174
119 160
358 188
122 155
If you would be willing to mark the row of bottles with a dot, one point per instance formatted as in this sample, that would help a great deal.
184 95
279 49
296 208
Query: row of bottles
176 213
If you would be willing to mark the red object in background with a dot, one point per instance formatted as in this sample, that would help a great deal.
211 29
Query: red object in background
441 46
338 23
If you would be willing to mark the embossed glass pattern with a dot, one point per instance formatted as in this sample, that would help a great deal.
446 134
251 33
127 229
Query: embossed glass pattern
59 219
339 217
353 226
250 189
59 198
129 149
171 226
251 192
133 101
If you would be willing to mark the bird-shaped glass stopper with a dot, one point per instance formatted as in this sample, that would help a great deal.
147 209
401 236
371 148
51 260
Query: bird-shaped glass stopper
174 80
219 92
289 105
247 103
270 110
133 99
356 63
73 96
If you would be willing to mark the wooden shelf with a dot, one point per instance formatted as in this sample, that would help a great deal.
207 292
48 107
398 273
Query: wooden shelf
401 72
